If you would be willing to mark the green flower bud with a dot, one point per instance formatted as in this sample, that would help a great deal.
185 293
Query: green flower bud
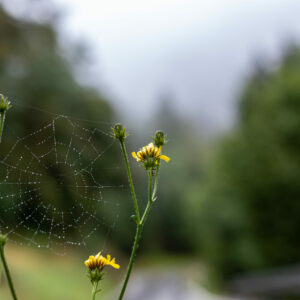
2 240
4 104
150 163
119 132
159 139
95 275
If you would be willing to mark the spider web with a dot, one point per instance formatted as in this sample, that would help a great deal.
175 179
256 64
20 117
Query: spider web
52 183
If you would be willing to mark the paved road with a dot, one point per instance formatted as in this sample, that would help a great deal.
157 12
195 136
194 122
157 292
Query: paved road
154 285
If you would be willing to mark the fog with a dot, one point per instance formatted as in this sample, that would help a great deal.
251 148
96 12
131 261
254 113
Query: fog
196 52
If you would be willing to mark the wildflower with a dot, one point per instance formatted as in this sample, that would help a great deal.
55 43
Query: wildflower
96 264
150 156
100 262
119 133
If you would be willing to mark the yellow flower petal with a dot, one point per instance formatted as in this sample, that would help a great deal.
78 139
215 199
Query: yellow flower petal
92 259
165 158
99 262
144 151
151 147
150 153
116 266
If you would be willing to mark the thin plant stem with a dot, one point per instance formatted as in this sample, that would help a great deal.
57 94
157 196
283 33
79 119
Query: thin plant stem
94 291
10 283
2 243
138 235
0 272
155 183
2 119
150 199
131 261
137 212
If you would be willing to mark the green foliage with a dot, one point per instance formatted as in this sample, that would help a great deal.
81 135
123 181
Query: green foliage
40 275
172 223
249 205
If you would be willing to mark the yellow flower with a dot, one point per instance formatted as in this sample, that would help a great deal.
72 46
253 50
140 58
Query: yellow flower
150 152
99 262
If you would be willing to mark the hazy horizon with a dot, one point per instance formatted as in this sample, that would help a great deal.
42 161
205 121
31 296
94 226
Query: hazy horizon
198 53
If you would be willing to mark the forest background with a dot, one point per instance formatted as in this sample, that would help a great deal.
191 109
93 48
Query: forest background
228 202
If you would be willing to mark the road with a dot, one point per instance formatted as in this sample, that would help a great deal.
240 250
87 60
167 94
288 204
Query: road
165 285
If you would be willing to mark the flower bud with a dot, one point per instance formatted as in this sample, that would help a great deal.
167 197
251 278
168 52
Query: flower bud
159 139
2 240
119 132
95 275
4 104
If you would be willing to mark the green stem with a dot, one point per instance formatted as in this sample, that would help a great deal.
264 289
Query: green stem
150 198
0 272
2 119
137 212
138 236
94 291
155 183
11 286
131 261
4 263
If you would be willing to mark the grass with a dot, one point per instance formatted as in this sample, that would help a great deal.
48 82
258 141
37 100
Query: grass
39 275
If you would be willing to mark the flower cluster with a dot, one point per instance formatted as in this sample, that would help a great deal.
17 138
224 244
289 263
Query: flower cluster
150 156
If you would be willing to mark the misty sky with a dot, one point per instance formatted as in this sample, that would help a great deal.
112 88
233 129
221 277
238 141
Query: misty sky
197 51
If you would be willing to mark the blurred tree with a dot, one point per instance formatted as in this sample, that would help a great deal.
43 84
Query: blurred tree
249 205
171 211
37 77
